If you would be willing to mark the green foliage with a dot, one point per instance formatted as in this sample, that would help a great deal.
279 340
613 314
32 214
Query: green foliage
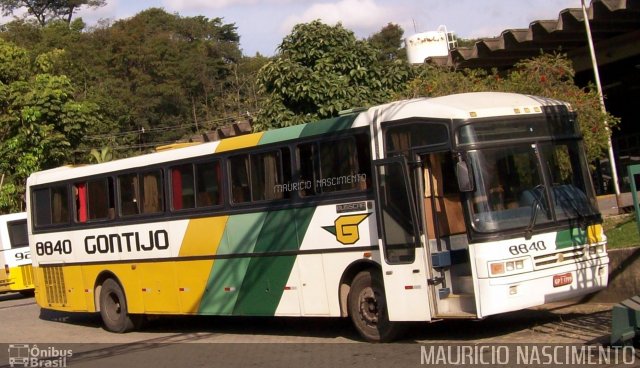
320 70
104 155
40 121
163 73
547 75
47 10
389 43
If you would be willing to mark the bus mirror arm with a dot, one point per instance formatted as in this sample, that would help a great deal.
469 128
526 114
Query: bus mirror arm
465 179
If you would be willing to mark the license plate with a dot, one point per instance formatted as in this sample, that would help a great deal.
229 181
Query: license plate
561 280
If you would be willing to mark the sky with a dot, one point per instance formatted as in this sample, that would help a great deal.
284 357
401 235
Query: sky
262 24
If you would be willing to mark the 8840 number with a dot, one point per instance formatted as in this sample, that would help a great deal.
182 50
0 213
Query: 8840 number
48 248
526 248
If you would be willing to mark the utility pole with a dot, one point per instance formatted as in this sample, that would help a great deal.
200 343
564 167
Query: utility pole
596 74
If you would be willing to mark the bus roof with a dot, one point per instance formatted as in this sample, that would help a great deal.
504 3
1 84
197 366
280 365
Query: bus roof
458 106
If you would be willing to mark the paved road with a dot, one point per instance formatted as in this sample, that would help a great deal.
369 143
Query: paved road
308 342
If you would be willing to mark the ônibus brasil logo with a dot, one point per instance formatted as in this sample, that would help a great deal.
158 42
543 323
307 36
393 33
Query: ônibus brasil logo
25 355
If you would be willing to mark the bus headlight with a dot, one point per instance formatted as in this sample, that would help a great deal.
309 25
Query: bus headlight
513 266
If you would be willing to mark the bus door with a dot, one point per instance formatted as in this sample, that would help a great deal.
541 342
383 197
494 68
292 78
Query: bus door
403 267
447 249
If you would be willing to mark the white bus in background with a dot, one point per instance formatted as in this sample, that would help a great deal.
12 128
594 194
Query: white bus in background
16 274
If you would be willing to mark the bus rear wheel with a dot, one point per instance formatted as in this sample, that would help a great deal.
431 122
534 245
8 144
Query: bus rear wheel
113 309
368 308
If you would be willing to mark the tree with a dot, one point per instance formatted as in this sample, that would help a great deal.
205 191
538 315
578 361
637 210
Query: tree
47 10
320 70
40 121
549 75
389 42
160 76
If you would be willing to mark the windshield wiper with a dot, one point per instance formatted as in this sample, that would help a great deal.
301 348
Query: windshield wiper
536 204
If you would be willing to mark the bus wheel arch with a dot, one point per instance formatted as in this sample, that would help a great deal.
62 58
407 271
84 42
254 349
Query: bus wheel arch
97 287
367 307
112 305
347 278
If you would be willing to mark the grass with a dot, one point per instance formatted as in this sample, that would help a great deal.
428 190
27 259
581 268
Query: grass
621 231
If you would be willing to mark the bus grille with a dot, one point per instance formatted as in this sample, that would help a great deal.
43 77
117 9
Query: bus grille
27 275
566 256
54 284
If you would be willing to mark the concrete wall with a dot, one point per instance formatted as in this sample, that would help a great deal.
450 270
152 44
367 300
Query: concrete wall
624 277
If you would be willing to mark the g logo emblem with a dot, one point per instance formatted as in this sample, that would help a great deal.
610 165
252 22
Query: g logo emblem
346 228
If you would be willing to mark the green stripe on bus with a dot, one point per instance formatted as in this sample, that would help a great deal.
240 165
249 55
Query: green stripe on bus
328 125
241 233
570 238
306 130
284 134
223 286
266 277
226 276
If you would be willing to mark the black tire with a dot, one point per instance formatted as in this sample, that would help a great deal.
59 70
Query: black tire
113 309
368 308
27 293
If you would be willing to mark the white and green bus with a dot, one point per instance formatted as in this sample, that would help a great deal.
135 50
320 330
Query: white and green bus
17 273
462 206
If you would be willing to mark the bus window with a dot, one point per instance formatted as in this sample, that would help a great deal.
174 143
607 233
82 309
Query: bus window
336 165
240 190
51 206
18 236
94 200
258 177
265 176
182 187
128 188
152 192
195 186
208 185
400 139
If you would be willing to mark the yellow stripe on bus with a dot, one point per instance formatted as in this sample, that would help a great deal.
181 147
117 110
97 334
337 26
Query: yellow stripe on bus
150 287
203 236
242 141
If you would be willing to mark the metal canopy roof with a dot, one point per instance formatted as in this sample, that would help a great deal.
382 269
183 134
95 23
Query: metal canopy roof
613 22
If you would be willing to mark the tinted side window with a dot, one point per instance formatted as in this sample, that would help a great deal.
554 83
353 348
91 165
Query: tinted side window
195 185
141 193
183 195
399 139
259 176
94 200
18 233
208 184
335 165
51 206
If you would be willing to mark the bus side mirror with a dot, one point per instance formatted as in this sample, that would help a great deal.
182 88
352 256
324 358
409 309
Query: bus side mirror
465 180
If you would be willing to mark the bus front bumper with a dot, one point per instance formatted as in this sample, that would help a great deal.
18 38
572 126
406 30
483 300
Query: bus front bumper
510 293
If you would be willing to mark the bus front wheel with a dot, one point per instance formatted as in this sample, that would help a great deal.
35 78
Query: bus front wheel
113 308
368 308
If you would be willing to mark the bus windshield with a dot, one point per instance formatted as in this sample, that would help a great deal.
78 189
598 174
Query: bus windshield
527 185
